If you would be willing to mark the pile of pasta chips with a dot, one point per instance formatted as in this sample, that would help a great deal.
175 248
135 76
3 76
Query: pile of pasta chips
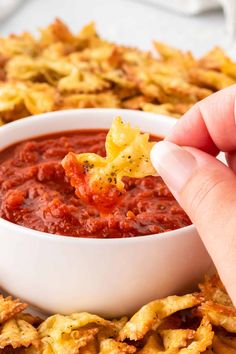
201 322
61 70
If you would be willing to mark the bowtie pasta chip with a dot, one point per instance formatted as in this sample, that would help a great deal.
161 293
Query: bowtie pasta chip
37 98
181 341
176 338
67 334
111 346
220 315
9 308
150 316
213 290
18 333
98 180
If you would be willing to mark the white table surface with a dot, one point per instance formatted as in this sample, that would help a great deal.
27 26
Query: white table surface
126 21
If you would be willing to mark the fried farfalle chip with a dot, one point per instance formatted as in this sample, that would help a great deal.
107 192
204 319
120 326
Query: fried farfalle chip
153 345
111 346
217 60
36 98
101 100
90 348
210 79
27 317
82 81
222 347
176 338
18 333
202 339
136 102
174 55
213 290
56 32
180 341
188 341
227 339
67 334
164 109
10 307
18 44
98 180
220 315
149 317
181 89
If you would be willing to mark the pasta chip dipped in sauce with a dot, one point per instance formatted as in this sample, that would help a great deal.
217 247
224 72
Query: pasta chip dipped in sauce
98 180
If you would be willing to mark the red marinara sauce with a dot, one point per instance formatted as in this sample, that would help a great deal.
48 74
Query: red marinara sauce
35 193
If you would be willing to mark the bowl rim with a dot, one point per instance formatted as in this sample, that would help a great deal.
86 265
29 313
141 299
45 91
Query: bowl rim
73 239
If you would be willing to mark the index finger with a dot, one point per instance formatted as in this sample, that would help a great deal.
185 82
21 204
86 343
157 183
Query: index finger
210 124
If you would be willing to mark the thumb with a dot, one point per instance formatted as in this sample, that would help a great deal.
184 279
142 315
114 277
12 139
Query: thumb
206 189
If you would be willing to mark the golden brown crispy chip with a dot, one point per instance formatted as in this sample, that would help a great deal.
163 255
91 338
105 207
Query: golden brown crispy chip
202 339
188 341
227 339
18 333
149 316
111 346
153 345
90 348
119 324
100 100
171 322
57 32
118 77
217 60
174 55
176 338
98 180
164 109
24 67
136 102
220 315
181 341
17 44
219 347
82 81
35 98
180 88
9 308
210 79
213 290
27 317
67 334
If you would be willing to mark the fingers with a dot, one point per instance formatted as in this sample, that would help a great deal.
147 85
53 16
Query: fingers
206 189
210 124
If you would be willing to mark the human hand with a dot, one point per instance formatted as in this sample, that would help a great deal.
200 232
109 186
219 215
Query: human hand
204 186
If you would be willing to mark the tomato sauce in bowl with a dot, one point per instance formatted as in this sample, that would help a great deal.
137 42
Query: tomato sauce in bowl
35 193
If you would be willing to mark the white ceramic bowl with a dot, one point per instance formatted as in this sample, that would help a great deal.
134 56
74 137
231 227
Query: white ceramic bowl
111 277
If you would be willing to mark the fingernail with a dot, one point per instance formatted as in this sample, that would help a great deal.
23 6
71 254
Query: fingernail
174 164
